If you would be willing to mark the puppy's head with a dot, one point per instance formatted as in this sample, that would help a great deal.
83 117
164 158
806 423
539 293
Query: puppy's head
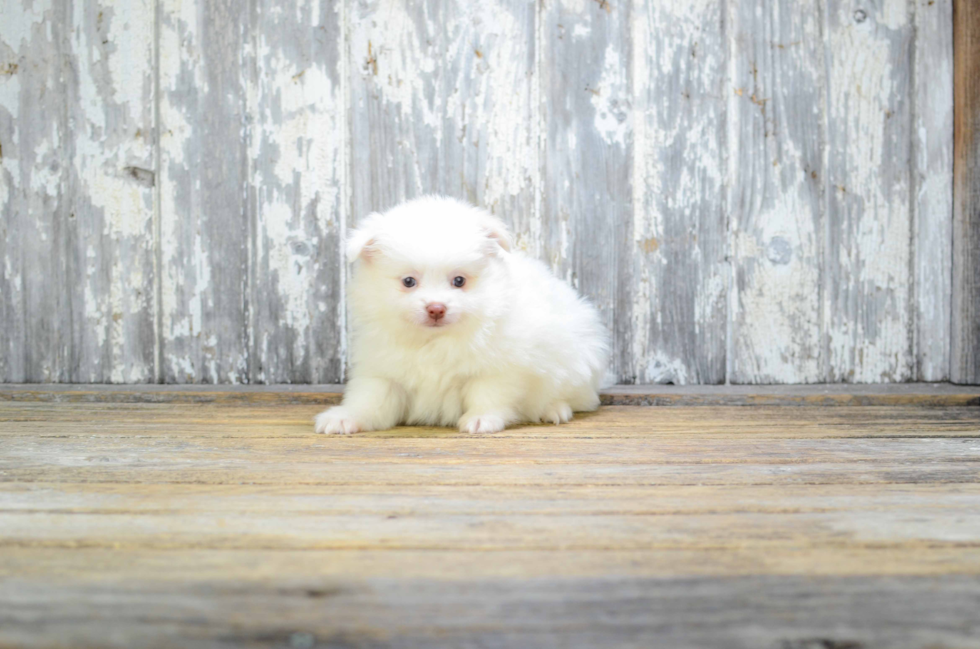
430 264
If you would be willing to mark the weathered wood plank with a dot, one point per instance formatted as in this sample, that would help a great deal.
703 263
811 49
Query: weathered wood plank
441 102
587 97
237 465
595 129
702 416
932 149
204 220
652 451
296 129
483 530
896 394
252 500
893 394
381 475
271 429
35 249
110 107
679 237
777 112
294 568
500 611
965 349
210 525
272 422
868 284
273 445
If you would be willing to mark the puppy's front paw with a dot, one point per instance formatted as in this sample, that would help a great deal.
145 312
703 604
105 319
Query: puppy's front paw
557 413
481 424
337 421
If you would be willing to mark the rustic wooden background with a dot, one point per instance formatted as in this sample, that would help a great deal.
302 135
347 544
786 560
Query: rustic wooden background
751 191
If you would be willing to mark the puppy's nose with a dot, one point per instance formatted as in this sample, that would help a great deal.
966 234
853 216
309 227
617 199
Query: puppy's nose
436 310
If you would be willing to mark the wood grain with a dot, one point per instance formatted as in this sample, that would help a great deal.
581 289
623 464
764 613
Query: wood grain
441 96
313 569
868 295
478 525
300 609
586 202
777 111
900 394
965 349
296 199
192 525
111 103
271 420
932 177
750 193
78 283
35 274
679 238
203 213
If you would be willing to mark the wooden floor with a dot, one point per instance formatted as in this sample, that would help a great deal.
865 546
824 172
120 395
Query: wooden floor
232 524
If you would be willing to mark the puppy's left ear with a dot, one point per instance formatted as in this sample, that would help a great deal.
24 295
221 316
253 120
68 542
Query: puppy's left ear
361 243
497 234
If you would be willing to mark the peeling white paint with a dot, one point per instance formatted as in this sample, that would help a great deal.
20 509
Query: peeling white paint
501 118
46 176
9 97
611 99
658 367
870 197
11 167
893 14
459 99
933 204
403 60
111 135
678 179
19 19
296 137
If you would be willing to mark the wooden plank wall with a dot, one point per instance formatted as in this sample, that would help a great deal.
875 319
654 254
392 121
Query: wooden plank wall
966 224
751 192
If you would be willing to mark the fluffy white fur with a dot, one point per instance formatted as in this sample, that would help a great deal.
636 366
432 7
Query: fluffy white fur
515 344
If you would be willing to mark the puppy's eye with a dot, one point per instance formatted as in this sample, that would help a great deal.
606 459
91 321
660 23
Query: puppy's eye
409 282
458 281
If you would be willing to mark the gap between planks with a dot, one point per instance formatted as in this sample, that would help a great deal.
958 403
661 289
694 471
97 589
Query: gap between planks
895 394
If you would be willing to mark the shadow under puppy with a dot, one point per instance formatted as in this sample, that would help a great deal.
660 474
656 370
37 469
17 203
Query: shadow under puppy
451 328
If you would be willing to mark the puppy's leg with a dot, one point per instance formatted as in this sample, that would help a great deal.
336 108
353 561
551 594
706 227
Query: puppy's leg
369 404
556 413
490 404
584 399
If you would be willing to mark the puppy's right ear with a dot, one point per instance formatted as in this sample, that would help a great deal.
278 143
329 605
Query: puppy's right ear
361 243
497 234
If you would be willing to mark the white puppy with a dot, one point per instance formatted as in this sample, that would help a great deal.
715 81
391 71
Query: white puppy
449 327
